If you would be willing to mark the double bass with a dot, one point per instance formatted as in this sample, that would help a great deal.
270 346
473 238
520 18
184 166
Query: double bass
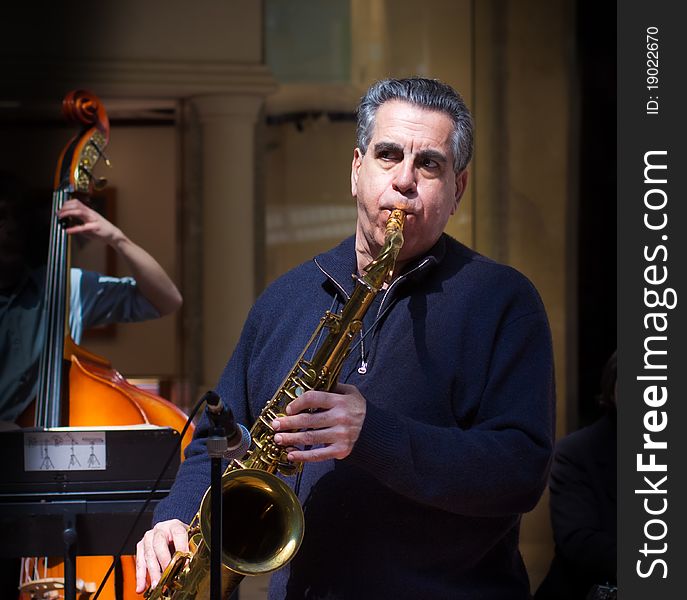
78 388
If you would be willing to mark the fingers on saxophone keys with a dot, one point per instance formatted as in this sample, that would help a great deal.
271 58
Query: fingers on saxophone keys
302 421
311 399
316 454
310 437
160 548
140 568
153 554
146 563
178 533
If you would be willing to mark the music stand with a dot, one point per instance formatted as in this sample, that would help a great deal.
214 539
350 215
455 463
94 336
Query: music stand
70 528
70 513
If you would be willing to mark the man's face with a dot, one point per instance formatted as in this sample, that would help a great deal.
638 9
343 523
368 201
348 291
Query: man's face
408 165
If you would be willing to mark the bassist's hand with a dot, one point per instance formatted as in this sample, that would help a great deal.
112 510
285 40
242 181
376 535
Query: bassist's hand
85 221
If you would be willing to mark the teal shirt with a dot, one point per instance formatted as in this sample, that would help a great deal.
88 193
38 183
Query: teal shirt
95 300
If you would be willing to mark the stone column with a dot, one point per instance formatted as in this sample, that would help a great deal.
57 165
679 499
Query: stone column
227 223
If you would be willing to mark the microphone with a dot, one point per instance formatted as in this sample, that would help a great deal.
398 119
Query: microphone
236 437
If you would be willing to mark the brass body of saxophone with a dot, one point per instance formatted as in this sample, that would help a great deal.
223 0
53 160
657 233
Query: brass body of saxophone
265 516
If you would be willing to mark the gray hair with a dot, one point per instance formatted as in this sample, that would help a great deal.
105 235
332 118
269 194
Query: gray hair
431 94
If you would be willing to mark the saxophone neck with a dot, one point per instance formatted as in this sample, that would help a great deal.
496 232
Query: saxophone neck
381 269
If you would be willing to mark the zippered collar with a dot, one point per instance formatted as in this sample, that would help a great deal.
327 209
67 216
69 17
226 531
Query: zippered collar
340 263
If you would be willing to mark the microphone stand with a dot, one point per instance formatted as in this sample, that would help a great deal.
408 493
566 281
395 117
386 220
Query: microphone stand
217 446
225 431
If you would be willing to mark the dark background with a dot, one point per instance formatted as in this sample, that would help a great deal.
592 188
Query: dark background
597 253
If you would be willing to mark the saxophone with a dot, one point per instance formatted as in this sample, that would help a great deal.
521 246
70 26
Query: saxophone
269 528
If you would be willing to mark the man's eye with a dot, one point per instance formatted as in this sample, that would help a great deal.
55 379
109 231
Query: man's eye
428 163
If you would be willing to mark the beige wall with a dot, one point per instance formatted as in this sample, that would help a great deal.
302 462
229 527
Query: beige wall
524 164
307 191
131 30
144 161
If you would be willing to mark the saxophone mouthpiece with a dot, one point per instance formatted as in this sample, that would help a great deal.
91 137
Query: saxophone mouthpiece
393 234
395 221
381 269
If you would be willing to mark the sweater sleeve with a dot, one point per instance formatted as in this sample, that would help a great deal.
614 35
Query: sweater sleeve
496 466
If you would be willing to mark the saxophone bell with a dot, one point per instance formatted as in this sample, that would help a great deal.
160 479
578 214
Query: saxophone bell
264 524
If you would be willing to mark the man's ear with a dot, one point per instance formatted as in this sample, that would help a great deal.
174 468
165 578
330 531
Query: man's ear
461 183
355 169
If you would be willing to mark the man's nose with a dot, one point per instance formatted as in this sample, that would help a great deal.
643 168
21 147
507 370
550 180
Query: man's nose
405 177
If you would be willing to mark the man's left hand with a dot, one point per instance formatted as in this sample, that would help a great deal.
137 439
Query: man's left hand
330 420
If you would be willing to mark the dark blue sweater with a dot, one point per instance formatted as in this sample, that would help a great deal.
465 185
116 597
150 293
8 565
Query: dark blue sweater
456 442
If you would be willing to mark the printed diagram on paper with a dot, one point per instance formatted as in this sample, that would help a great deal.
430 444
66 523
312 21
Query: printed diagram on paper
65 451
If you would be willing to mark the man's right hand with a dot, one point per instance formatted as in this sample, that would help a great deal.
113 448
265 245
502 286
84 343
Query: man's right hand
154 551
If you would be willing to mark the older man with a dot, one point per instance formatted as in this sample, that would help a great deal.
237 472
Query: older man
420 462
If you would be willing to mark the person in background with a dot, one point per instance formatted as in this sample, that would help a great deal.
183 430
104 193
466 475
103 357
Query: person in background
96 299
583 504
420 462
